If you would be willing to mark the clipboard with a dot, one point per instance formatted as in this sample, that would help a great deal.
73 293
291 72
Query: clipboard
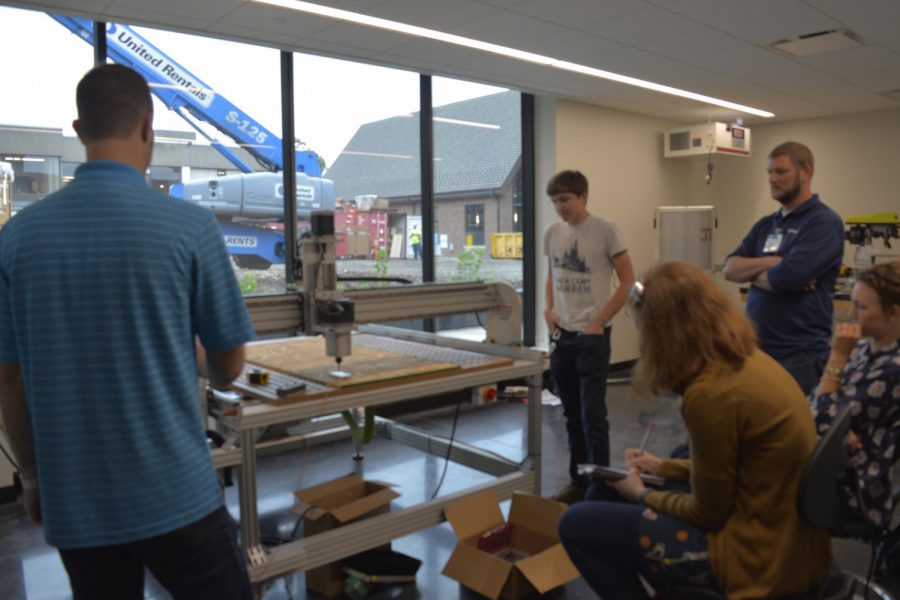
617 473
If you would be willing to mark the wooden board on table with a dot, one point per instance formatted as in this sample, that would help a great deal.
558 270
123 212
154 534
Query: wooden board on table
305 358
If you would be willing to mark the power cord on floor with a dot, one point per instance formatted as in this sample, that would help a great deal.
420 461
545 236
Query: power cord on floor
449 448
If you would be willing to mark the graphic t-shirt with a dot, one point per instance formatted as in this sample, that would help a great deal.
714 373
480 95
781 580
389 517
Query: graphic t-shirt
581 267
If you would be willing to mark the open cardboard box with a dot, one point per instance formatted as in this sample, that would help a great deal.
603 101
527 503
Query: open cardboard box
525 557
332 504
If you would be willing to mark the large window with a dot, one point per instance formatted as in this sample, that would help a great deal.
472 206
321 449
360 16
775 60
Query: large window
363 123
43 63
357 136
225 152
477 173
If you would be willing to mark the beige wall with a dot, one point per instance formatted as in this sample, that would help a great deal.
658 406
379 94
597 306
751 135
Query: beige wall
621 154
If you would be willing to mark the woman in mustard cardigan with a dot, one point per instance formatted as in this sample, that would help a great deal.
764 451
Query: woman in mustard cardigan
737 530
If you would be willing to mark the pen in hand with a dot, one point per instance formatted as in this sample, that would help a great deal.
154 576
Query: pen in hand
650 427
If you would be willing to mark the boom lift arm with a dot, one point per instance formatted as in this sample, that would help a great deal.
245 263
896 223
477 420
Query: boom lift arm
192 99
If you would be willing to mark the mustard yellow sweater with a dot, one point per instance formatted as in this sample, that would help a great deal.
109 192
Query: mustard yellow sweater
751 432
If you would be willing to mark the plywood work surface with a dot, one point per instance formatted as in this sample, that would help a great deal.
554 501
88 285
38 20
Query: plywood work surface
305 358
375 361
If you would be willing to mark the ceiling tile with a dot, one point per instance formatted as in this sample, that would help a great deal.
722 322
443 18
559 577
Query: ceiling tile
272 19
625 61
699 42
504 3
508 29
368 39
82 8
871 67
642 25
206 11
781 25
144 16
439 53
571 46
858 11
882 32
432 14
360 6
250 35
716 12
575 13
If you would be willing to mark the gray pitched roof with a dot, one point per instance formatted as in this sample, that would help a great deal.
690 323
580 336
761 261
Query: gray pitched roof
467 158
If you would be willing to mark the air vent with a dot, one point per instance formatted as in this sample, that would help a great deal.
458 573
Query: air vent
819 42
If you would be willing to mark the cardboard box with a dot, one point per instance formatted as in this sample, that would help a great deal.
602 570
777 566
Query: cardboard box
525 554
332 504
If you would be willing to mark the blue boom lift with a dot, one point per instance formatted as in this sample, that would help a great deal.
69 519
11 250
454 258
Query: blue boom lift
246 204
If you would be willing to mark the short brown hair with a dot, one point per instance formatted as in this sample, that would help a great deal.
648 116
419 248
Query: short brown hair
568 182
884 279
111 101
799 154
687 322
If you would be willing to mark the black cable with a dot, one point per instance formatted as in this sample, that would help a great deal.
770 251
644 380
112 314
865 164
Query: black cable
449 448
9 458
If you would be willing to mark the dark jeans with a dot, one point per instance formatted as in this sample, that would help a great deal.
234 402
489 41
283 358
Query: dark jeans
417 249
580 366
198 561
806 368
611 543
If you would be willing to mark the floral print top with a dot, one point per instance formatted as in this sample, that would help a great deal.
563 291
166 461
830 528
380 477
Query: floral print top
871 384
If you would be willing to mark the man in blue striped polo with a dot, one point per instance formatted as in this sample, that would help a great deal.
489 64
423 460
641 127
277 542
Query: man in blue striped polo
113 297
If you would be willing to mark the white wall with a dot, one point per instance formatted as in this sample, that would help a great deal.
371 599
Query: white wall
621 155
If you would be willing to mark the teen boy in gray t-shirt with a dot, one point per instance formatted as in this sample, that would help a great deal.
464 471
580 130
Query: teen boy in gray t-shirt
583 252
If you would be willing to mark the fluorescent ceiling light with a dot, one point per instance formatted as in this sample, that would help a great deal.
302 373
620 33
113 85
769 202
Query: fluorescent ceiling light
440 36
466 123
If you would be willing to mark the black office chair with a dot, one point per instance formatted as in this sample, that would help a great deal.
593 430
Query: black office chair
820 505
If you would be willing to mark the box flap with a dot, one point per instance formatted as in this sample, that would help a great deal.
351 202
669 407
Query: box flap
540 515
478 570
316 493
474 514
366 504
548 569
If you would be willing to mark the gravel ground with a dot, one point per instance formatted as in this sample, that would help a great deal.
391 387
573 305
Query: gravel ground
271 280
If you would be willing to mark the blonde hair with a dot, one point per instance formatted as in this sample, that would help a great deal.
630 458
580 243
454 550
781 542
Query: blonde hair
687 322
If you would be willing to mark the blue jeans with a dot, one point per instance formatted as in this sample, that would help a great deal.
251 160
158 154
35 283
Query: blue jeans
806 368
612 543
198 561
580 366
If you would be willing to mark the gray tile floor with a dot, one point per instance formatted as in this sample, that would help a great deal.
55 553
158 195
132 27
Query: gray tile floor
31 570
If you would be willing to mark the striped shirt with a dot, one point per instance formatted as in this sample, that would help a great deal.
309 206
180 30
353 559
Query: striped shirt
103 286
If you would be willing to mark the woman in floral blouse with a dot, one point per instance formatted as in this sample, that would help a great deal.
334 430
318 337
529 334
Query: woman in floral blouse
864 371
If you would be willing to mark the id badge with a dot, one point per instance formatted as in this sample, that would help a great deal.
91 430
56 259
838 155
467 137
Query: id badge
773 242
